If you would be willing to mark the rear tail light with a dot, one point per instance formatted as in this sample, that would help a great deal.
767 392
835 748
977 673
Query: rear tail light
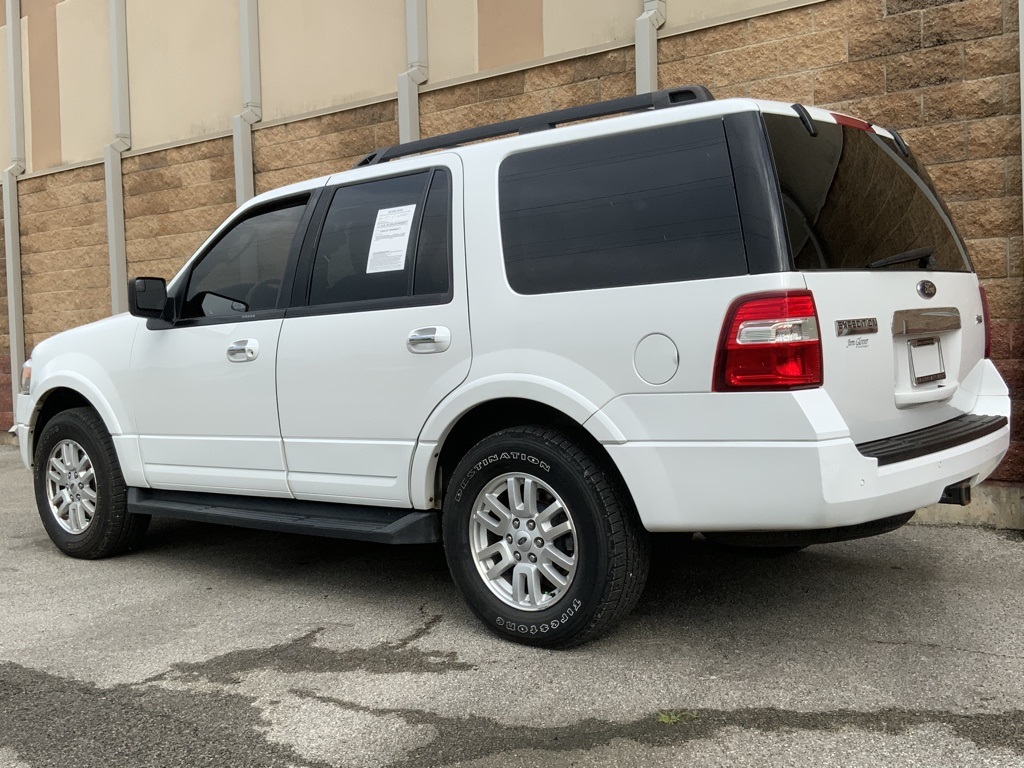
770 341
988 321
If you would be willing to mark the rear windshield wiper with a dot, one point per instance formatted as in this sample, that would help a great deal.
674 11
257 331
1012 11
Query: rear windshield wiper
923 257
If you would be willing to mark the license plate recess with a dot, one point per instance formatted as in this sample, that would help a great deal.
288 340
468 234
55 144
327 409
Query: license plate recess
926 364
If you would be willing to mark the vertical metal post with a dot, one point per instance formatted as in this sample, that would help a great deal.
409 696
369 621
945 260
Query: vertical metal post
409 82
12 225
646 45
252 100
117 249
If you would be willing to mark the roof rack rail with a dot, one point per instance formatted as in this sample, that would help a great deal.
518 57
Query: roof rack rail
690 94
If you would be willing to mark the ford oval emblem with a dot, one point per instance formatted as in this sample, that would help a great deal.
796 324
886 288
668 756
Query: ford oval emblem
926 289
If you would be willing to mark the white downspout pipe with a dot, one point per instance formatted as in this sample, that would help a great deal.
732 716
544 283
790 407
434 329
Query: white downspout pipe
252 101
646 31
12 225
409 82
116 247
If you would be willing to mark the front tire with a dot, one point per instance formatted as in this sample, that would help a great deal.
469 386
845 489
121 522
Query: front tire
541 539
80 491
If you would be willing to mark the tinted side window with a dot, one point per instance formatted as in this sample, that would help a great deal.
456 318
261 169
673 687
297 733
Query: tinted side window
370 234
651 206
243 270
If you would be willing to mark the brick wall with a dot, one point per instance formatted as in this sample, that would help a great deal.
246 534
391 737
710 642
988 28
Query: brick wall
64 262
173 200
317 146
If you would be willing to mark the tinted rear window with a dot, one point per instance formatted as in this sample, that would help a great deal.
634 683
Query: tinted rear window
652 206
852 202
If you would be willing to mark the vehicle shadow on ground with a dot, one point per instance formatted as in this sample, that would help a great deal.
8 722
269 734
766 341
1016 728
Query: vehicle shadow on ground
694 585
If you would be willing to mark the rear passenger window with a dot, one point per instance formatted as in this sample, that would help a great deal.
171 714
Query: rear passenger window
653 206
384 240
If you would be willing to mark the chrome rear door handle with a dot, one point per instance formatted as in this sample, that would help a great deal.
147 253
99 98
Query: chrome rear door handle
433 338
243 350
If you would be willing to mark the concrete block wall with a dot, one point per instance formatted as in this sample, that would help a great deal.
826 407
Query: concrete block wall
173 199
64 263
317 146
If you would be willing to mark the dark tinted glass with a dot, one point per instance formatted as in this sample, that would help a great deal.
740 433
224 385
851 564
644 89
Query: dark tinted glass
243 270
652 206
433 254
366 242
852 203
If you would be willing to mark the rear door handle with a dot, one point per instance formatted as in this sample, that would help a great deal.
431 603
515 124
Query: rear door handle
243 350
433 338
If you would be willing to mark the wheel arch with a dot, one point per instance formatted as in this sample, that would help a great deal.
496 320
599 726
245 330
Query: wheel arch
493 415
62 394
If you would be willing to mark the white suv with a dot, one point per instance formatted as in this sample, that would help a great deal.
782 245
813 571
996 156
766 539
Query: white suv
749 319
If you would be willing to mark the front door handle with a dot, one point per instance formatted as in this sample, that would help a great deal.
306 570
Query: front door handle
243 350
433 338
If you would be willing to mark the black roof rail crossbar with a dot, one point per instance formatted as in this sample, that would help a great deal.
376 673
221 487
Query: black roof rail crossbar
690 94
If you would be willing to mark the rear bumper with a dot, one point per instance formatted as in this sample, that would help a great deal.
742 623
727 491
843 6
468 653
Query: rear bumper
797 484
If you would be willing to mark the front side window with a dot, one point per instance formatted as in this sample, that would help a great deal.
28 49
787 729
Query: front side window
244 269
651 206
385 240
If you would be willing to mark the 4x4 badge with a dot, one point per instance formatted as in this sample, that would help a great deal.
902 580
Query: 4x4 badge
926 289
857 327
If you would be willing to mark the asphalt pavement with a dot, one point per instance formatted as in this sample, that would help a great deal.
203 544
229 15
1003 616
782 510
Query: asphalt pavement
216 646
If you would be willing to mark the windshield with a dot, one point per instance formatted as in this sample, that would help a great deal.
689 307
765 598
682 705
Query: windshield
852 202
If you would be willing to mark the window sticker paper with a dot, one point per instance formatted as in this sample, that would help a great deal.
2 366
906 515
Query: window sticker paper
390 239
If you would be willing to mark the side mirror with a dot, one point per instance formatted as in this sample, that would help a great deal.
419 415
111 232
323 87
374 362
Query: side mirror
147 296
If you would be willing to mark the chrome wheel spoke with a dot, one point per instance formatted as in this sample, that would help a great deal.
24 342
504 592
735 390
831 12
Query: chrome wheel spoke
495 526
88 493
558 531
526 590
549 511
515 495
554 575
498 569
555 556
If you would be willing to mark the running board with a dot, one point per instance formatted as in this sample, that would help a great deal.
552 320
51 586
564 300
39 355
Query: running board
384 525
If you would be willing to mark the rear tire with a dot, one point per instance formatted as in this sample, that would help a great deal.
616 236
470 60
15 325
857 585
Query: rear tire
80 491
541 539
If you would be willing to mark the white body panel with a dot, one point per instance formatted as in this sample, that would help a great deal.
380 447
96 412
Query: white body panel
206 423
354 394
361 398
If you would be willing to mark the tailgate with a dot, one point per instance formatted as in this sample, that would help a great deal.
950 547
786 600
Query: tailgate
899 308
892 360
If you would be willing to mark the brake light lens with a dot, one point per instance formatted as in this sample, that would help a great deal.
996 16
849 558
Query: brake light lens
770 341
987 320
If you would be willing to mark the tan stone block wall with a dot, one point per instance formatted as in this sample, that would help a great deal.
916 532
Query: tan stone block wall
304 149
173 200
943 72
64 261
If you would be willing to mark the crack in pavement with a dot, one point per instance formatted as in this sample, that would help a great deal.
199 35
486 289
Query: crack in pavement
472 737
302 654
